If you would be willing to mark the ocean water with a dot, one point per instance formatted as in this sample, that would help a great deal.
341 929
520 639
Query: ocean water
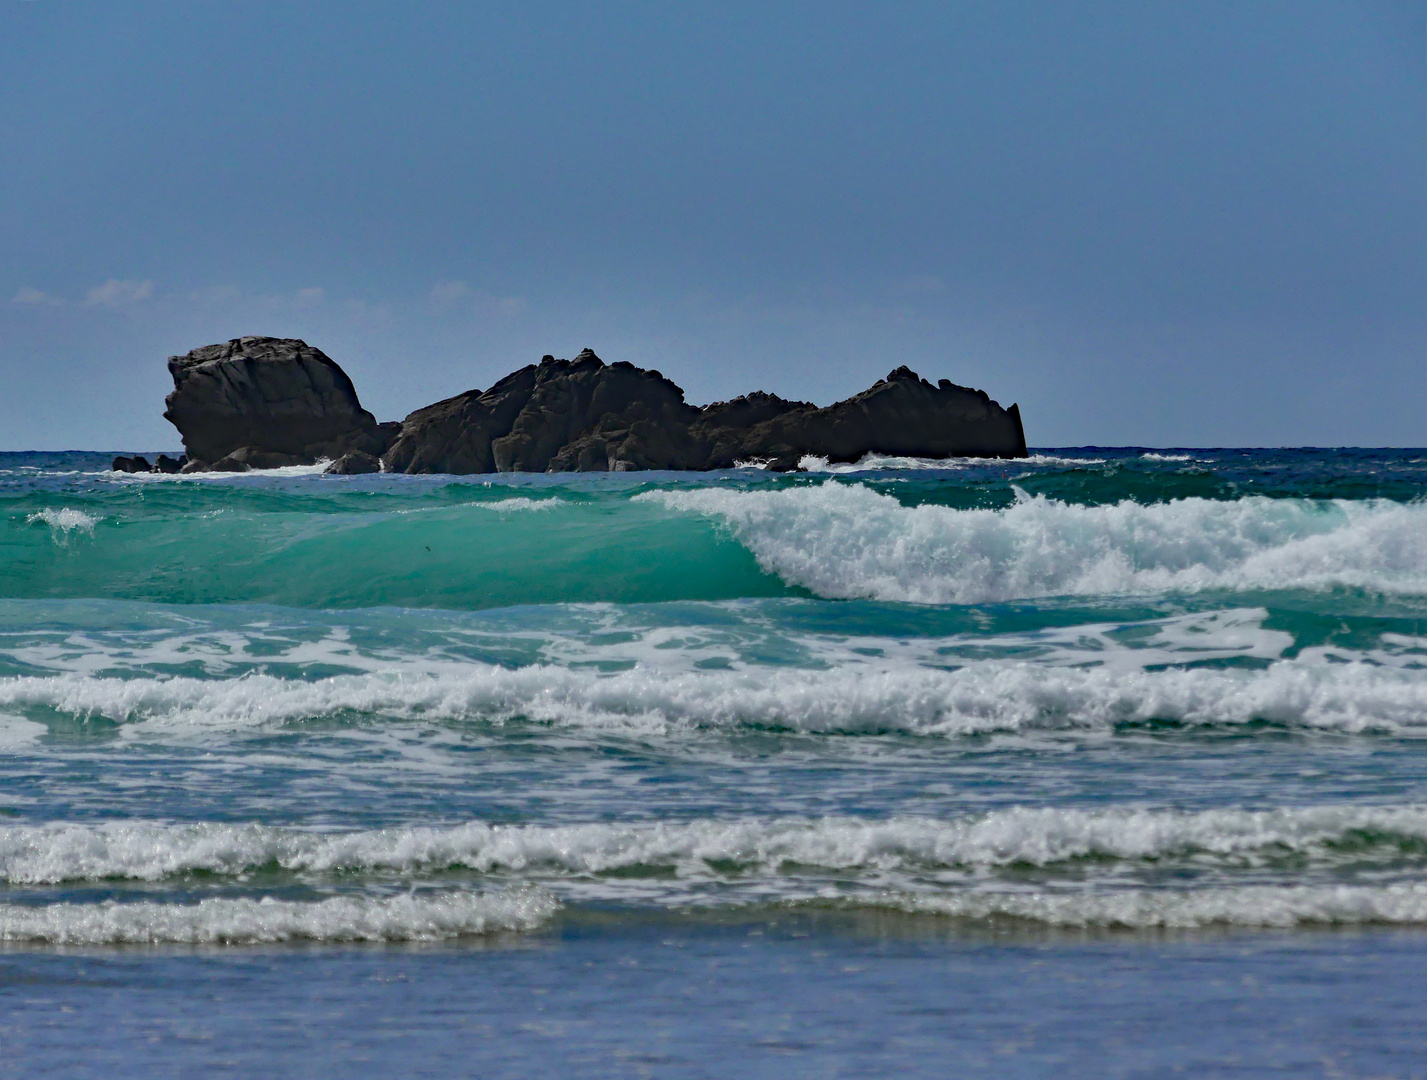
1109 762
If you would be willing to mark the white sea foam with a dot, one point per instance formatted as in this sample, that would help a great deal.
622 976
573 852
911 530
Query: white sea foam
878 463
1237 633
1319 688
846 541
1150 455
16 731
1261 906
513 504
1058 459
317 468
241 920
64 520
1118 841
608 638
886 462
517 503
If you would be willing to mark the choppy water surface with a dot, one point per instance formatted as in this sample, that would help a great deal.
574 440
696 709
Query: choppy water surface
884 743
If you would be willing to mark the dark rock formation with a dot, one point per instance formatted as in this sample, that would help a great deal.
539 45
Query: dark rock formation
902 414
355 463
261 403
558 416
267 396
138 464
253 457
585 415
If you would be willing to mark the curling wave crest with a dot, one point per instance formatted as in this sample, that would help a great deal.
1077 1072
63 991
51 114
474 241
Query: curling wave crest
846 541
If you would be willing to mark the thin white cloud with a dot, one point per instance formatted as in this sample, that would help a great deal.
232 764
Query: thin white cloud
453 294
310 297
35 298
116 294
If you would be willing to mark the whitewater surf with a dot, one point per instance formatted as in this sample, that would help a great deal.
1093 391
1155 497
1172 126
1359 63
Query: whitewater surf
1091 696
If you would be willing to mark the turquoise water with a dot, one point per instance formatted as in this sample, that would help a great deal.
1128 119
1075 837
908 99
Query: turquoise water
1108 761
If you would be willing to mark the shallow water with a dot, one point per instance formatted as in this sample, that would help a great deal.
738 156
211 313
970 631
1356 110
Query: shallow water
834 773
609 996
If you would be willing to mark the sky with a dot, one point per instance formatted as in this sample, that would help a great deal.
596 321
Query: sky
1148 223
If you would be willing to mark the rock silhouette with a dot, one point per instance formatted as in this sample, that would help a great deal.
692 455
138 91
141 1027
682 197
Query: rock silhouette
140 464
255 403
586 415
578 415
261 402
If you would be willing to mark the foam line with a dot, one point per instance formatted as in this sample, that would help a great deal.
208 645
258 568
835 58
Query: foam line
248 921
1265 906
1228 839
1316 689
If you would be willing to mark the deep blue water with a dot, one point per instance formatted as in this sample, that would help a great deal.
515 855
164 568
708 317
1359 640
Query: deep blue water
1109 762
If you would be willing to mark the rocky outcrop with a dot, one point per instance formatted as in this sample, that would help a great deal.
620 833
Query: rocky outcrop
255 402
140 464
902 414
585 415
262 403
579 415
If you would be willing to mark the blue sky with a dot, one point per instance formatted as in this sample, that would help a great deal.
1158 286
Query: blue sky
1148 223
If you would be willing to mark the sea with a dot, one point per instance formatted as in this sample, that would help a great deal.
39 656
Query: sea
1107 762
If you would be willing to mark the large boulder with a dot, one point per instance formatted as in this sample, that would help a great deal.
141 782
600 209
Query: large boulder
356 463
273 399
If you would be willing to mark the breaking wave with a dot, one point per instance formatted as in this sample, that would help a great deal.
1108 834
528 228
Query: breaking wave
836 539
846 541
